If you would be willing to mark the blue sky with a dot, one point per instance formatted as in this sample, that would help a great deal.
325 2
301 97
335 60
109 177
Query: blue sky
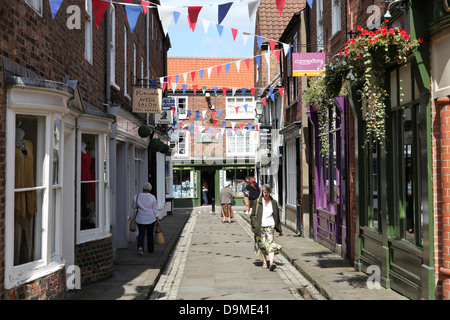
186 43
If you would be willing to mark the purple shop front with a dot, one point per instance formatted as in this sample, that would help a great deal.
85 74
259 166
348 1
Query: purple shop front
330 214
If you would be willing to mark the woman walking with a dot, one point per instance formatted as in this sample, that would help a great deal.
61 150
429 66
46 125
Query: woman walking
265 219
146 217
226 197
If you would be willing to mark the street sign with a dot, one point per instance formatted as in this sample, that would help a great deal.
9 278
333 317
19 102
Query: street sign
308 64
147 100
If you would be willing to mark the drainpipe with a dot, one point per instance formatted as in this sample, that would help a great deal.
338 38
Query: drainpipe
108 57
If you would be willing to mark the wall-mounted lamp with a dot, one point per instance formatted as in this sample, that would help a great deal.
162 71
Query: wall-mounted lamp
259 109
208 101
401 5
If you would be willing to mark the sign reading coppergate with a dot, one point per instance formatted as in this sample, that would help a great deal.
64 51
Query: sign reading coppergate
147 100
308 64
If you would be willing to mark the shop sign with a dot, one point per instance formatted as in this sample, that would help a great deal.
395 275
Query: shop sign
165 117
147 100
308 64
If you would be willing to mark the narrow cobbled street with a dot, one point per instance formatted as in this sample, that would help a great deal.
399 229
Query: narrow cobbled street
216 261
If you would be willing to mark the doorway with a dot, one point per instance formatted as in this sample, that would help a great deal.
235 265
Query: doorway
208 180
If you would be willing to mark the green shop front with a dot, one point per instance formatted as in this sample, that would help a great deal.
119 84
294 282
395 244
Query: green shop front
188 180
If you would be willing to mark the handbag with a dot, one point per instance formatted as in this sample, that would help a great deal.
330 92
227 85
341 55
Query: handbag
233 202
133 219
159 238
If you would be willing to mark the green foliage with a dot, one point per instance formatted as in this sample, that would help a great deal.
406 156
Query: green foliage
361 64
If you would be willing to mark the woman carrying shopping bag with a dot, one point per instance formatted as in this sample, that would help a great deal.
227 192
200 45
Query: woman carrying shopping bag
146 218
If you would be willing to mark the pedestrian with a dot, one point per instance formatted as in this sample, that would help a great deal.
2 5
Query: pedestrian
146 218
253 191
205 193
226 197
245 192
265 219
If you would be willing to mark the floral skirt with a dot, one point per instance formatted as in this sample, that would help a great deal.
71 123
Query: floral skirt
264 242
227 211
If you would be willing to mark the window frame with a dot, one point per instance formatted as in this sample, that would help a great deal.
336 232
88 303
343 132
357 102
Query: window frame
50 258
89 32
234 136
36 5
231 111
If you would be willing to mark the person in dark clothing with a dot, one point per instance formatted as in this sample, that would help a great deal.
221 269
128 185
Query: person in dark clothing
253 191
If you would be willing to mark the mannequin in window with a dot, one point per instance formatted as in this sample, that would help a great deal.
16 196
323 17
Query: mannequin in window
86 161
24 201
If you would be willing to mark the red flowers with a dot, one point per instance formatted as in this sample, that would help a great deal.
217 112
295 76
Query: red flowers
420 40
358 56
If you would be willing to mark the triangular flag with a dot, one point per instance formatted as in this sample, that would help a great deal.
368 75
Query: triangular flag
133 13
245 36
203 114
165 15
233 124
223 10
164 86
243 91
219 112
234 32
227 67
259 40
281 91
99 7
198 115
189 113
220 29
203 89
224 123
174 87
54 6
184 86
252 90
280 5
213 113
193 75
277 54
237 109
267 56
154 83
215 90
185 76
258 60
145 5
252 6
169 80
263 100
209 72
247 62
224 90
245 107
201 73
193 16
194 87
176 16
310 2
242 126
286 48
205 25
250 126
214 123
233 90
256 127
272 44
272 96
218 69
238 65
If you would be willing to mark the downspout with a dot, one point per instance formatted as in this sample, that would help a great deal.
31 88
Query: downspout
108 57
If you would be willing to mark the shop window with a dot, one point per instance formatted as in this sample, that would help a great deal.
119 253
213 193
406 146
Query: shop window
181 105
291 173
29 188
182 147
184 183
237 178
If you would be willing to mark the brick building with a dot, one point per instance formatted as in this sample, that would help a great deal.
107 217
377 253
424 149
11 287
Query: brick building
215 141
68 132
394 217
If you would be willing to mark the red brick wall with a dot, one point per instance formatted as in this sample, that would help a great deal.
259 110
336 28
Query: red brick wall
441 193
50 287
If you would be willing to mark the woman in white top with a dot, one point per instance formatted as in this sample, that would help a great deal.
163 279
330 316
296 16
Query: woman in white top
265 219
146 217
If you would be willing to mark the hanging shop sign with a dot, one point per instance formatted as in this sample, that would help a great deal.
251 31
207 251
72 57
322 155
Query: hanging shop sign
165 117
147 100
308 64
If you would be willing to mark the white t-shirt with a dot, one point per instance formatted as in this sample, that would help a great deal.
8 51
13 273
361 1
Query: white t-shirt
147 208
267 214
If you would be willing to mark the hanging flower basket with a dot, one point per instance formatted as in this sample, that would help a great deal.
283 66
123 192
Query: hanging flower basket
157 145
144 131
361 64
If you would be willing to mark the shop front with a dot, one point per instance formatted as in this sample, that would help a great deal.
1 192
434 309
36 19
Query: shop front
189 183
